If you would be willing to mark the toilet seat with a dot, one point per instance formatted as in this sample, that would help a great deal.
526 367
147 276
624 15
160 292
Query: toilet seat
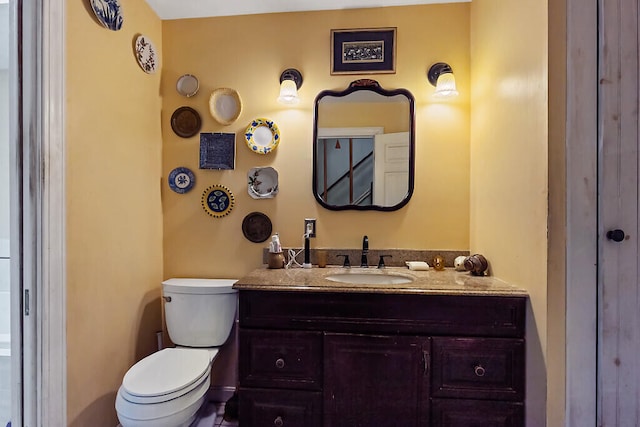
166 372
162 397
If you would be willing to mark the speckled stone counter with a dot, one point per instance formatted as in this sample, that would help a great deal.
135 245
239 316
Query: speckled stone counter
430 282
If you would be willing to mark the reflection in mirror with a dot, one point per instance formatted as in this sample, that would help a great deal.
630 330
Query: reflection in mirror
363 148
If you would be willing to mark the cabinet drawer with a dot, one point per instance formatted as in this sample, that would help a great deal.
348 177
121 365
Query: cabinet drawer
279 408
445 315
478 368
476 413
280 359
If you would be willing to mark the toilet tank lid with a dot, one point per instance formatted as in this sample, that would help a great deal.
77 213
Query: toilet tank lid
199 286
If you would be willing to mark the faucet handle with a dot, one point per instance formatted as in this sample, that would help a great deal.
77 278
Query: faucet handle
381 262
346 263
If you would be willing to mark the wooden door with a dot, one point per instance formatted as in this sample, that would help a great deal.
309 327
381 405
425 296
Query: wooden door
391 168
619 297
380 381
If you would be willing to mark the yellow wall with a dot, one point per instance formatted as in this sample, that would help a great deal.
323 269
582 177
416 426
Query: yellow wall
509 162
114 215
248 53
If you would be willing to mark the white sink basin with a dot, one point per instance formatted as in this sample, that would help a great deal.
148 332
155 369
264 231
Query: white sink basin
369 278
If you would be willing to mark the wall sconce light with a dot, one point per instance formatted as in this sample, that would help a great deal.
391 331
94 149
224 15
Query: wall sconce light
441 76
290 82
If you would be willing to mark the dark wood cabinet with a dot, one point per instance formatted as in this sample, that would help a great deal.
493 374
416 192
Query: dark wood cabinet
349 360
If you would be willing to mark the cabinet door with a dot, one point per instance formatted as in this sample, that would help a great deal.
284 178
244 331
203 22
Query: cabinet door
376 381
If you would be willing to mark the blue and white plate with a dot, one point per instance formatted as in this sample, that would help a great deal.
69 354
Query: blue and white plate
109 13
262 136
181 180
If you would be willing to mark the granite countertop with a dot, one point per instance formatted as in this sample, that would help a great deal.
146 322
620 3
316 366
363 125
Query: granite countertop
430 282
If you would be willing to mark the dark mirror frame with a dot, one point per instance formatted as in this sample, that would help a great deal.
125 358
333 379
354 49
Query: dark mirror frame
373 86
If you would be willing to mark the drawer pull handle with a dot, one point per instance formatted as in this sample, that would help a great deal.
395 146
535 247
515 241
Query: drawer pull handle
479 370
279 365
278 421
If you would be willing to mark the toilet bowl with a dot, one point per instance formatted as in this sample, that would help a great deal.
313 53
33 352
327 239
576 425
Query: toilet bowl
167 388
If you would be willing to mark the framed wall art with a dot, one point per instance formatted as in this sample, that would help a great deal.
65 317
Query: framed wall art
366 51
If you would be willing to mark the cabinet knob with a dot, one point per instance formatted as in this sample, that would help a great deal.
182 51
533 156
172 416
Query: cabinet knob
278 422
616 235
280 365
479 370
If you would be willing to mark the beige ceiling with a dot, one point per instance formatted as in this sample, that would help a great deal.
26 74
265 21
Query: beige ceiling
179 9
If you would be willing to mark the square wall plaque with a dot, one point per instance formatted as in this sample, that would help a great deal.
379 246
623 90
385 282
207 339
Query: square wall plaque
217 150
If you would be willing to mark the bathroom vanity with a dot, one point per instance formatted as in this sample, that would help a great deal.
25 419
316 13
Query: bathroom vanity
446 349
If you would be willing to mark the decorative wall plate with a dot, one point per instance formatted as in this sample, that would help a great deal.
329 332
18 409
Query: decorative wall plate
186 122
256 227
262 182
146 54
109 13
181 180
225 105
262 136
217 201
187 85
217 150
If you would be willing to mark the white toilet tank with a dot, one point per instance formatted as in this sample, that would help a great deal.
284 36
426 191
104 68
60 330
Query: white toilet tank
199 312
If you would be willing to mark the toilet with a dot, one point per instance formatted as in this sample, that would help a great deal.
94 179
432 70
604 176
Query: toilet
167 388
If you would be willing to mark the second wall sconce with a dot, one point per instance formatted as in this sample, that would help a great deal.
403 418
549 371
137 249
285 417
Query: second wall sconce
441 76
290 82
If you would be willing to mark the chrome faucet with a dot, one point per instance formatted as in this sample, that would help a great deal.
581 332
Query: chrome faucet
364 263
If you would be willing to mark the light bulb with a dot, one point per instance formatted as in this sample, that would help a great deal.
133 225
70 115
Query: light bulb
288 92
446 86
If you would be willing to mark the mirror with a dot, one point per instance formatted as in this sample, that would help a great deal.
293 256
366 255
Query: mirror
363 147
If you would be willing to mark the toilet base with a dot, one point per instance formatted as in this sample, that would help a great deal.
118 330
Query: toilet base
206 416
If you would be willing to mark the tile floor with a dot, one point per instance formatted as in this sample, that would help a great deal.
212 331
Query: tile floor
5 405
220 422
212 415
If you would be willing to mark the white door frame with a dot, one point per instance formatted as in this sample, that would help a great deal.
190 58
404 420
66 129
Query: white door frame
581 214
53 293
38 209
